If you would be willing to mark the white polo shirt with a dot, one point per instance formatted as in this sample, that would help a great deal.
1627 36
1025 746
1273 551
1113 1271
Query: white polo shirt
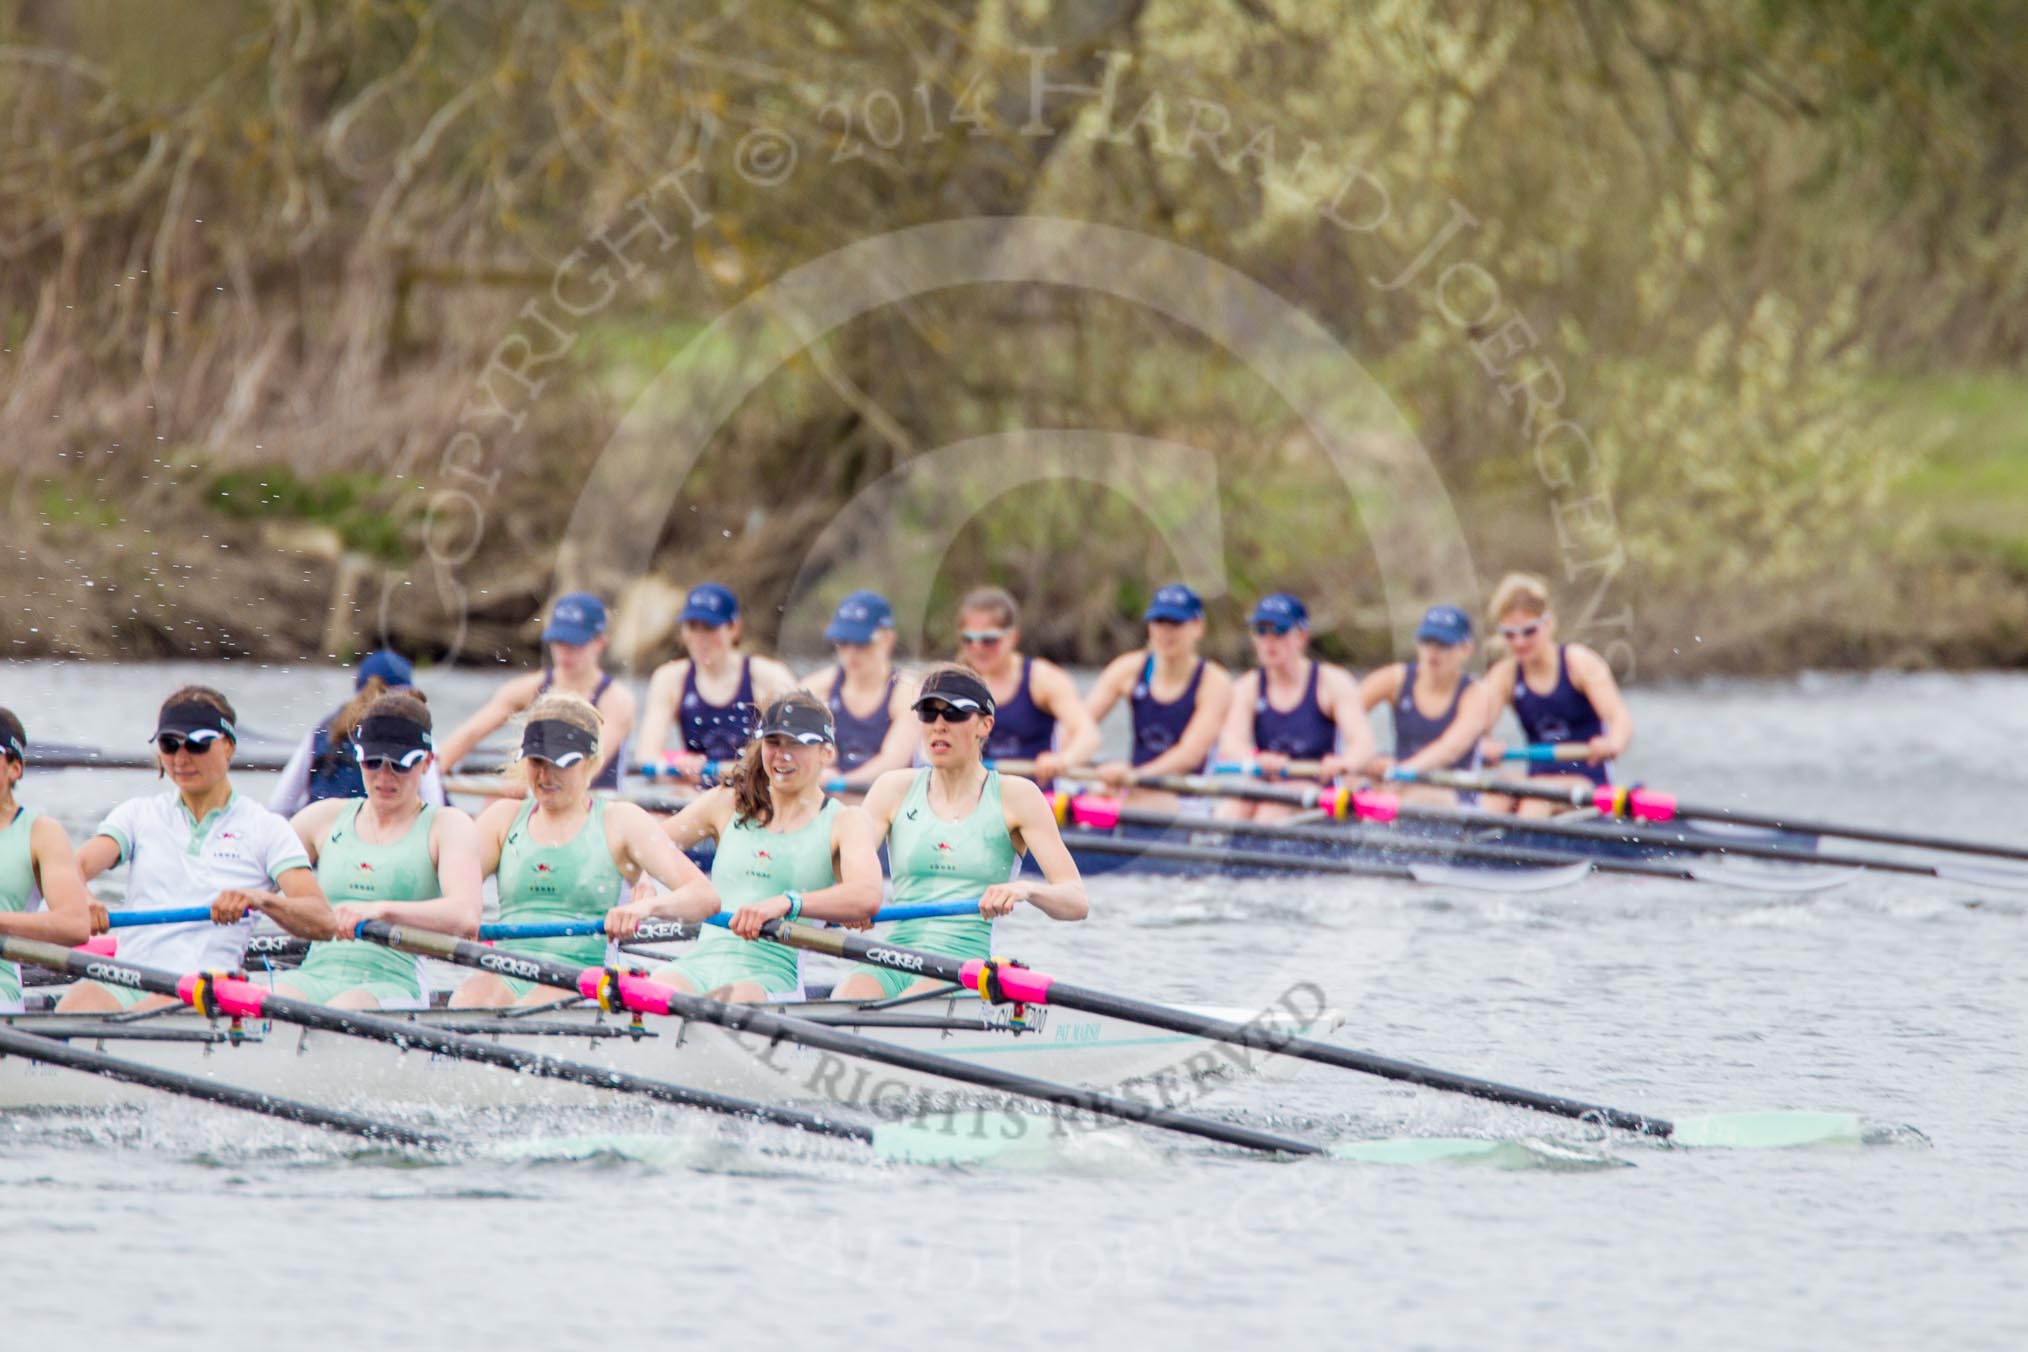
174 860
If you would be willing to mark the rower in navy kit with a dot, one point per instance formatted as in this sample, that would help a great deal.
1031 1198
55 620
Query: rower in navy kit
575 640
1291 707
1563 695
1041 720
869 699
1437 708
711 698
1178 699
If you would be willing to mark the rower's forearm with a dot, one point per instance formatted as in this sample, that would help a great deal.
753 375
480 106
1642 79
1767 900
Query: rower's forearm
845 903
304 917
441 915
1060 901
67 927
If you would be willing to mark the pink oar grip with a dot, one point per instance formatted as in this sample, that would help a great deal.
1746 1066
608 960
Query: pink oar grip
1017 983
1089 809
99 946
1649 805
241 999
637 992
1371 805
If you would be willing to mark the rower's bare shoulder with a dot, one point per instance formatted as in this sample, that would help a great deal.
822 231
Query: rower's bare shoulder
820 681
665 678
519 691
1335 683
618 701
1382 684
1587 668
886 794
496 817
1022 797
772 677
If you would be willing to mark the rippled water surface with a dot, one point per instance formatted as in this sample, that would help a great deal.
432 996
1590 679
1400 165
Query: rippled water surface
184 1225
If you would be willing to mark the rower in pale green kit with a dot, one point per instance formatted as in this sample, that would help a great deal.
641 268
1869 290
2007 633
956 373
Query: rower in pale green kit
957 830
562 854
37 866
785 851
388 856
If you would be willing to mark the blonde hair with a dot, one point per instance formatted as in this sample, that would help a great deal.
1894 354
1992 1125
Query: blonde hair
996 601
579 713
1524 592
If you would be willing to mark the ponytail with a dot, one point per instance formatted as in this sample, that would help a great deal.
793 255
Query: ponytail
347 718
752 799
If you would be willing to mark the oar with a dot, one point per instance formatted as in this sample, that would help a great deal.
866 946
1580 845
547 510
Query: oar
657 931
1650 805
34 1047
1556 867
1638 833
1271 861
616 990
1001 981
215 993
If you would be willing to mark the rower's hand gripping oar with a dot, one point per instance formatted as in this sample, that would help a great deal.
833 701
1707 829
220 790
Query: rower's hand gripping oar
616 990
999 980
216 993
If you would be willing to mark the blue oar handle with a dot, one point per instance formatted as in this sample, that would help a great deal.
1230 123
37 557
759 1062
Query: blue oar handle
175 915
583 929
1245 767
1538 754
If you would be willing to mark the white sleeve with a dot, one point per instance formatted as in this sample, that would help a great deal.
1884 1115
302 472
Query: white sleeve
433 788
292 794
120 825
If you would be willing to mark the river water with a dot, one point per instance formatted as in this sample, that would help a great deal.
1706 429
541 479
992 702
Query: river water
1903 999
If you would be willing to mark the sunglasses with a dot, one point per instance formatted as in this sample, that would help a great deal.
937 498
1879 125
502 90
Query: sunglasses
170 743
1520 630
1264 628
930 713
379 763
980 638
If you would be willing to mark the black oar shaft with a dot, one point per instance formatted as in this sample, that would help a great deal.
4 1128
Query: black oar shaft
1258 1036
1187 852
750 1019
35 1048
1848 831
409 1033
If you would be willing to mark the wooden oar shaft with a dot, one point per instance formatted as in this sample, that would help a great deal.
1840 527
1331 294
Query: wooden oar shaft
57 1053
659 998
1022 984
240 997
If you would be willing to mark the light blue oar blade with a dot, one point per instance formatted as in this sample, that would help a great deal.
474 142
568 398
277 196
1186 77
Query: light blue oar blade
1501 880
1768 1130
1525 1154
1999 878
1768 880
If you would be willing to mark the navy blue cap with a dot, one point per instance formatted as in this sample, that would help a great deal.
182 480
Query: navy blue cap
1446 625
709 603
577 617
390 666
1175 602
860 616
1282 610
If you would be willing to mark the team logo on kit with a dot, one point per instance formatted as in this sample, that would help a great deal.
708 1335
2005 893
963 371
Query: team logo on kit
945 860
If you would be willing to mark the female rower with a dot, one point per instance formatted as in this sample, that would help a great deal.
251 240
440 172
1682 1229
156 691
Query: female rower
201 842
957 830
36 866
1563 694
1438 709
711 695
390 855
1041 719
324 764
1178 699
563 854
1291 707
869 699
576 640
784 851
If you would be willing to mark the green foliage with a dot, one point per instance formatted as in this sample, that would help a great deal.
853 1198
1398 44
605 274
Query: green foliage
347 503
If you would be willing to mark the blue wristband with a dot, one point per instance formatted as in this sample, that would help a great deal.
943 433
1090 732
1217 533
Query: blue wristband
795 905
